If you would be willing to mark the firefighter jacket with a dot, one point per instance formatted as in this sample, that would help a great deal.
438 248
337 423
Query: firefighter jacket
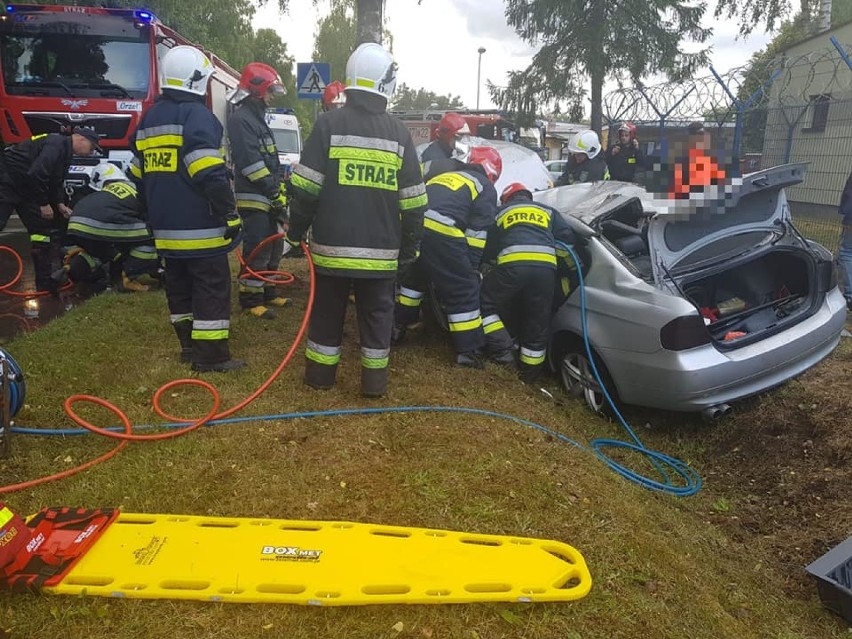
114 214
435 151
358 186
591 170
257 172
36 168
178 158
525 234
623 164
692 174
462 204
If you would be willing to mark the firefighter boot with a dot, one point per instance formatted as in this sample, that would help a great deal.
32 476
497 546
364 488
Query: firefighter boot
504 358
470 359
44 268
272 298
374 382
219 367
131 285
183 330
260 312
320 376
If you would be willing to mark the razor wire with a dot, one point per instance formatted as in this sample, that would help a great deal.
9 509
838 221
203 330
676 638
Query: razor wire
791 82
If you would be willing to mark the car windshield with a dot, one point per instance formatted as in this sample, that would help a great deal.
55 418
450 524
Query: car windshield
75 56
286 140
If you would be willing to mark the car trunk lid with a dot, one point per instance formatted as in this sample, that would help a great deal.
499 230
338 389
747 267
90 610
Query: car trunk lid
722 225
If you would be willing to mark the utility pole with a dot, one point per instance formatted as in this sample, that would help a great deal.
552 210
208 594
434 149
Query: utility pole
478 75
369 15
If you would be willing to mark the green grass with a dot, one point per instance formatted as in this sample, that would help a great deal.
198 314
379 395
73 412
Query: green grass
661 569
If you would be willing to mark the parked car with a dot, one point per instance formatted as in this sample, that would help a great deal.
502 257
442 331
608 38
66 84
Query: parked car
520 164
689 311
555 168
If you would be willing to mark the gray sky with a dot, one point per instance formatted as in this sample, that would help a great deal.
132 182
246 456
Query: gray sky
435 43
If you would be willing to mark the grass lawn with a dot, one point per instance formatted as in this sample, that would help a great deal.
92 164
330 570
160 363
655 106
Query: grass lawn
663 567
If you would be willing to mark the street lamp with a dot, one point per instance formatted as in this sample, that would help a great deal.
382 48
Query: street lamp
478 74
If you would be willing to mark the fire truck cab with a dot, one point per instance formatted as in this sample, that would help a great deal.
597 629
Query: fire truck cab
63 66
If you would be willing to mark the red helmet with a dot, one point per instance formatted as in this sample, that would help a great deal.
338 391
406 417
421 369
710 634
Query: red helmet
333 96
512 190
257 79
629 127
489 159
451 125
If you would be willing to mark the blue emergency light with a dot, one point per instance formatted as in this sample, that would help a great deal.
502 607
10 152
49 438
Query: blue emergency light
143 16
9 8
281 110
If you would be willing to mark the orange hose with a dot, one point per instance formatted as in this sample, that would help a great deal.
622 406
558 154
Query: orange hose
4 288
193 424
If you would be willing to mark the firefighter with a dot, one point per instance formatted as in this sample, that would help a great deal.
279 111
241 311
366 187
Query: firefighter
625 156
520 288
698 170
462 206
261 191
358 187
109 233
32 176
191 207
586 163
333 96
450 129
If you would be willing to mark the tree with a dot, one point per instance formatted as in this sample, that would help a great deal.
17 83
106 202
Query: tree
596 39
370 15
336 37
768 13
407 98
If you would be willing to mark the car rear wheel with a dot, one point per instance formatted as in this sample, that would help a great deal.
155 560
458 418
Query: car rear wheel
578 379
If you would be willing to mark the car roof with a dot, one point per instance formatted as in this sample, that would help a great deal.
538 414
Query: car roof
587 201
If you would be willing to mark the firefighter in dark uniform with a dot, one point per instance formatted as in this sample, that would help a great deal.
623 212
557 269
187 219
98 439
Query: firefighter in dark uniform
108 234
586 164
625 156
521 285
450 129
191 207
32 176
358 186
261 193
462 206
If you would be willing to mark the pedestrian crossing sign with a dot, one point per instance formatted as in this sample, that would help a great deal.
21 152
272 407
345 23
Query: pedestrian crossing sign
311 79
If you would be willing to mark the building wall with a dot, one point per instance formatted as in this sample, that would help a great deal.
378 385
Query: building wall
790 118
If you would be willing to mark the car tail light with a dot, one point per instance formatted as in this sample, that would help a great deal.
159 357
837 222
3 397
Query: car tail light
827 275
684 332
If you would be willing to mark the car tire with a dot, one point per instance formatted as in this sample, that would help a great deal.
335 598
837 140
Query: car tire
578 380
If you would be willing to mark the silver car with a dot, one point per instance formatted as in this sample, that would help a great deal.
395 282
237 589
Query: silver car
691 308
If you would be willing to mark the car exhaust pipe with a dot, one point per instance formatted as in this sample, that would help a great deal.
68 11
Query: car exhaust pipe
712 413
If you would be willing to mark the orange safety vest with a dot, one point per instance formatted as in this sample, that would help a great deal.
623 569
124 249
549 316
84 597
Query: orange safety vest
703 171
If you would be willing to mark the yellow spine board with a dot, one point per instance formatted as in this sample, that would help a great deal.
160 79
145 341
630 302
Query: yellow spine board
320 563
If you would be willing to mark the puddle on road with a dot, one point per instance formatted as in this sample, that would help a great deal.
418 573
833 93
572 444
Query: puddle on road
18 314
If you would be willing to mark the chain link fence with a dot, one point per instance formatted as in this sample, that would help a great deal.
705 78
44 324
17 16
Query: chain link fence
794 108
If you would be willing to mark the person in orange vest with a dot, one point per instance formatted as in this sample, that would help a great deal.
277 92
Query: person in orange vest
698 170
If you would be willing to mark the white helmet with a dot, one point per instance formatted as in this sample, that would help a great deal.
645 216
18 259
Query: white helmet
186 69
585 142
371 68
104 173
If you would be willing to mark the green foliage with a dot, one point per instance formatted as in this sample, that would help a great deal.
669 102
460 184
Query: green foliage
596 39
336 36
768 13
408 98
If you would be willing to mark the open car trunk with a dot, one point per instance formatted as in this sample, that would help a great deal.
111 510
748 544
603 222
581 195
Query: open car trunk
753 298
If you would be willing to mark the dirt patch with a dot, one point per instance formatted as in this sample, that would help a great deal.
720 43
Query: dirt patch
784 465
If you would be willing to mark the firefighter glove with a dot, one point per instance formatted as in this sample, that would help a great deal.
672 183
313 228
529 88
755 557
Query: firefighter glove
234 226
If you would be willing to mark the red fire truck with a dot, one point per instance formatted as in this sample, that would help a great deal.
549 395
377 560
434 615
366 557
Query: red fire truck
63 66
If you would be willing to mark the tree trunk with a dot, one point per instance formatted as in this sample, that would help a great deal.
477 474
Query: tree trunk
369 14
597 100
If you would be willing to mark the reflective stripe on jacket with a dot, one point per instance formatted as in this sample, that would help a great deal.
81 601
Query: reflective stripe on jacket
113 214
257 171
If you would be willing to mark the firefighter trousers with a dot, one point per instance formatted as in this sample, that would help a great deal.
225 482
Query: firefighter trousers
45 242
198 290
446 262
522 296
374 305
257 226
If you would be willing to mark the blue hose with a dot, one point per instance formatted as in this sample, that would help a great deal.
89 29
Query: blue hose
17 385
690 479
